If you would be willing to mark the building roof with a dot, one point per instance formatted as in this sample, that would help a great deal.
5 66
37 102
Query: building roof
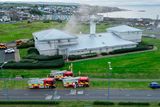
52 34
123 28
87 42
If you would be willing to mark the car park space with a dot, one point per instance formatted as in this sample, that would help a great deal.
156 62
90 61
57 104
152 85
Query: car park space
4 57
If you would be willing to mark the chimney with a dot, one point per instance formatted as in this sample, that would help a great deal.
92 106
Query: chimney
92 25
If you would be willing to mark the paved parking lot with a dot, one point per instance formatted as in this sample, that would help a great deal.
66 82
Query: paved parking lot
6 57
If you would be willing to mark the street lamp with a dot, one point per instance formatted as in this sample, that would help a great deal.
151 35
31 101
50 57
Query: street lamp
3 65
110 68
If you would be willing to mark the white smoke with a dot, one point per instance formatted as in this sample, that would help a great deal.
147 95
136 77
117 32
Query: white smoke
74 24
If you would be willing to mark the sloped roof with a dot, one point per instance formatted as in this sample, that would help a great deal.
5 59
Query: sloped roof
123 28
52 34
86 42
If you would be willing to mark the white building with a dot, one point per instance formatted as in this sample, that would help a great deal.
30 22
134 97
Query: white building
127 33
5 18
48 42
52 41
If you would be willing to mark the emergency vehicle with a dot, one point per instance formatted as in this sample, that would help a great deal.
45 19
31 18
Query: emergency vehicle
2 46
59 75
19 42
76 82
41 83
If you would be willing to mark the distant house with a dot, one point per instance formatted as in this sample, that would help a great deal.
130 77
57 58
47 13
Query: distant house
52 41
5 18
127 33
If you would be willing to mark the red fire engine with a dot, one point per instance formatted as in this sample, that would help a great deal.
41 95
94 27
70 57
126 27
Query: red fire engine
2 46
42 83
59 75
76 82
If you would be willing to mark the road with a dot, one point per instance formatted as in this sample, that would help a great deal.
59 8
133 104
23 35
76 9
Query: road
6 57
81 94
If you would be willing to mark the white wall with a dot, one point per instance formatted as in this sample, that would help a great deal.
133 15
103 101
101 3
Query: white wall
131 36
100 50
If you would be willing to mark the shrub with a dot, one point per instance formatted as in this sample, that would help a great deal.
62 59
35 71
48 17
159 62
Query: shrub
27 60
36 64
30 102
32 50
134 103
46 21
139 48
104 53
25 45
43 57
102 103
88 55
74 57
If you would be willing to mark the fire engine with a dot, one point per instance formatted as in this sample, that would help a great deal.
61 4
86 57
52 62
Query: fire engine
76 82
19 42
2 46
59 75
41 83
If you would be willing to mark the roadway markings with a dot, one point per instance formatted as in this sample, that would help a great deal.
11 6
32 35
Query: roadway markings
73 92
148 95
26 94
80 92
48 97
127 95
56 97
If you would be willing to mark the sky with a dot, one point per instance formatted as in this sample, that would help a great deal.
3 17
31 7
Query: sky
97 2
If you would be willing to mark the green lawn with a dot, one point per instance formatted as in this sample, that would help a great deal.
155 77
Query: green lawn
24 30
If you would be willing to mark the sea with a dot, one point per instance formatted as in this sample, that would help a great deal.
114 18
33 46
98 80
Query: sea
136 11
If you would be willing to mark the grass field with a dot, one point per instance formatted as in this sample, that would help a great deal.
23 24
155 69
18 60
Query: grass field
24 30
135 65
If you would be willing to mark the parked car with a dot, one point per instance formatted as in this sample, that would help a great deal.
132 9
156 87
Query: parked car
154 85
10 50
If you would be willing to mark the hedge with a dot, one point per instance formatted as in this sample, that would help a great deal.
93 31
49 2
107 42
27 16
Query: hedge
74 57
134 103
30 102
32 50
43 57
88 55
139 48
102 103
26 45
35 64
104 53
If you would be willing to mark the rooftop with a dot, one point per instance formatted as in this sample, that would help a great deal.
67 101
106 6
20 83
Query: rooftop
123 28
52 34
101 40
